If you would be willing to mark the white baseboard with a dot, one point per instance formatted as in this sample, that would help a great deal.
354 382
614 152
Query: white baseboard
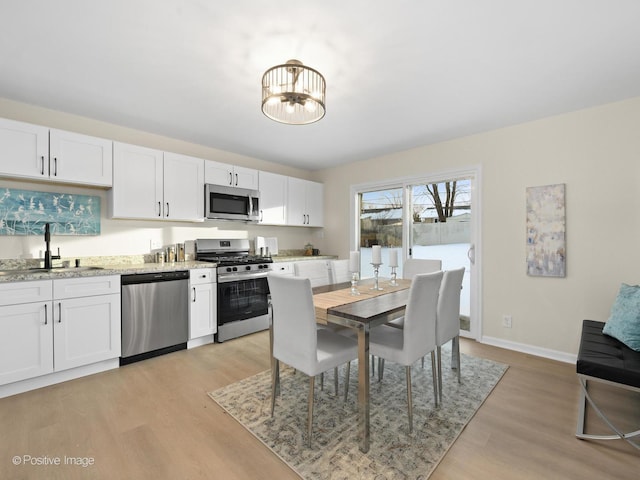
530 349
198 342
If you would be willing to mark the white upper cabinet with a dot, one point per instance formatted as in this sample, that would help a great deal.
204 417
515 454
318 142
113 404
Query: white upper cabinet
183 187
35 152
80 159
230 175
24 149
305 200
273 198
155 185
137 182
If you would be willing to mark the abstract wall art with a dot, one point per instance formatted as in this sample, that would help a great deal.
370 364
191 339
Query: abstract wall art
546 246
25 212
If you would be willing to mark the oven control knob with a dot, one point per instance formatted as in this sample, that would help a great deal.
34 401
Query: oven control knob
228 269
248 267
235 269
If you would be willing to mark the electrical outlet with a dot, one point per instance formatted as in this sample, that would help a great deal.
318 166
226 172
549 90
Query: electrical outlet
154 244
506 321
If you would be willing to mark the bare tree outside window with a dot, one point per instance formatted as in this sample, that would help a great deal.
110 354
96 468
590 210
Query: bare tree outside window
440 201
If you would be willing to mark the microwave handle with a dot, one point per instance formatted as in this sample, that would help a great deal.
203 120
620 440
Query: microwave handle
250 208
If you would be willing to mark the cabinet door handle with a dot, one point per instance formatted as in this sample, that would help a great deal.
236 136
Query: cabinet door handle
230 178
261 215
194 294
55 166
42 165
236 179
59 312
159 209
46 314
167 209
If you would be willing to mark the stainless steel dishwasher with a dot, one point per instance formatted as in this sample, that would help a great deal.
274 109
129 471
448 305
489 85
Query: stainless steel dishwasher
155 314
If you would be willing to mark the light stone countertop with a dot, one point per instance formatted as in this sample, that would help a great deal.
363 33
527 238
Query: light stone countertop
115 266
299 258
105 269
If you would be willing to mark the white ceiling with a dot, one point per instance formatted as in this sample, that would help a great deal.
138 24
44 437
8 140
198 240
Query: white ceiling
399 73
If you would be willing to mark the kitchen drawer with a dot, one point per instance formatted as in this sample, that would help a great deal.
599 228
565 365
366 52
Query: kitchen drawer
282 268
86 286
198 276
25 292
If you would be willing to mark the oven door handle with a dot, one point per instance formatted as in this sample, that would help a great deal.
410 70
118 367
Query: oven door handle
232 277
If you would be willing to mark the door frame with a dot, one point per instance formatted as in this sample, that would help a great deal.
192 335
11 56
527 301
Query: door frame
474 173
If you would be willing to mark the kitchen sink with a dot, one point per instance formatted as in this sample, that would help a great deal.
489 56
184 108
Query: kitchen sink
27 271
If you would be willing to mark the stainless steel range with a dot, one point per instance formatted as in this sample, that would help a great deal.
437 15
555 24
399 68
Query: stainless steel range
242 286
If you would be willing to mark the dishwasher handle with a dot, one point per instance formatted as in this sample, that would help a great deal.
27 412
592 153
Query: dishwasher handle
136 278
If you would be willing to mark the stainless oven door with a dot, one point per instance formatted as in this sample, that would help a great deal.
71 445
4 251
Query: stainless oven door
242 299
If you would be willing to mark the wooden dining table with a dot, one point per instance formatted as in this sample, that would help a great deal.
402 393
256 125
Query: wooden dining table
335 304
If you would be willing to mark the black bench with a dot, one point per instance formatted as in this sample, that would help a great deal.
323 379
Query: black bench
604 359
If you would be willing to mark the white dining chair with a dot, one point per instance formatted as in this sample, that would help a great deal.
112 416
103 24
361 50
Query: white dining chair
339 271
298 342
411 268
448 319
416 339
316 271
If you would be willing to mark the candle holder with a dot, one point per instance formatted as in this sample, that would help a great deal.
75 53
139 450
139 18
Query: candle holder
354 284
393 281
376 269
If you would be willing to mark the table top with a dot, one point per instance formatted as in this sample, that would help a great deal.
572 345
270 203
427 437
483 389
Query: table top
371 305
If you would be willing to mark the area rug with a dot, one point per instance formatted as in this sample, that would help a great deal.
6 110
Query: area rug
394 453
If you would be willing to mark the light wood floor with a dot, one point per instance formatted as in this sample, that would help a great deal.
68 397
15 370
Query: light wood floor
153 419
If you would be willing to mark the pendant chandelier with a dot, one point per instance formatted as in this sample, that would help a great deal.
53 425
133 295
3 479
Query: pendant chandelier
293 94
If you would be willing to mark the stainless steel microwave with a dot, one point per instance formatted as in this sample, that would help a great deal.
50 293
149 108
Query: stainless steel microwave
231 203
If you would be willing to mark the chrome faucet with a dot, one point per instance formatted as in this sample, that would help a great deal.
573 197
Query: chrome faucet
48 258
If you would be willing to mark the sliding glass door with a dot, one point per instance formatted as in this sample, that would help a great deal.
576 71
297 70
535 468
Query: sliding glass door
380 223
441 229
425 217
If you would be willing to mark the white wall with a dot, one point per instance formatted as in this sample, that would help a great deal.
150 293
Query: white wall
129 237
596 153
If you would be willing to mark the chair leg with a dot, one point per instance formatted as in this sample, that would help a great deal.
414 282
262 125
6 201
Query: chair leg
310 414
380 368
346 383
409 398
373 365
439 354
322 381
335 379
274 383
434 373
457 342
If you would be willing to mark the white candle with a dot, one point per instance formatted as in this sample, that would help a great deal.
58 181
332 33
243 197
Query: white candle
376 255
354 261
393 258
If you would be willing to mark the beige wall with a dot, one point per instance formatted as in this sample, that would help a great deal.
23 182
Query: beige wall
596 153
129 237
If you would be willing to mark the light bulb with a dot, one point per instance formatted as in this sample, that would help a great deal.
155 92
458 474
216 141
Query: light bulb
291 107
310 106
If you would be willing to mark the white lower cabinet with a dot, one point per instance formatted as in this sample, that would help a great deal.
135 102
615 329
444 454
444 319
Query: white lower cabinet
26 342
86 329
50 326
202 305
